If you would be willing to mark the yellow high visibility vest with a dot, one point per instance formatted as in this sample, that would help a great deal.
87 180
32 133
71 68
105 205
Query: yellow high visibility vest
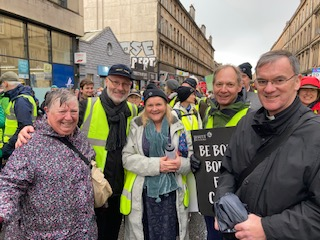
96 128
126 196
11 123
233 121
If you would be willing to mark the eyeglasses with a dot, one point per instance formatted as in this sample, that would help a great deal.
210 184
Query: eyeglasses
117 84
276 82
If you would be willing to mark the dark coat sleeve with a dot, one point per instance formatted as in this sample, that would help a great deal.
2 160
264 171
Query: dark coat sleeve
82 111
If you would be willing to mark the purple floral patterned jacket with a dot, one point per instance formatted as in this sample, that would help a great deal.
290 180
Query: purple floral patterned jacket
47 187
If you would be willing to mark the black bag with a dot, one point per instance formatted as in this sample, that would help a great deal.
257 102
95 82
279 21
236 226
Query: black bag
229 212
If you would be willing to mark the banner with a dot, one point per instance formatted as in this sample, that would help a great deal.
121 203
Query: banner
209 146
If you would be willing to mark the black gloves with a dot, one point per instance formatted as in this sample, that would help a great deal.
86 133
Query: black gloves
194 163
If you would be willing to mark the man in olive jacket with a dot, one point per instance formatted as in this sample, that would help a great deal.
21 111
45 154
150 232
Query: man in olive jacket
282 192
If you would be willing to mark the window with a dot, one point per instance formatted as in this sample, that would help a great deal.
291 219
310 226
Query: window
1 25
61 48
109 49
38 39
14 42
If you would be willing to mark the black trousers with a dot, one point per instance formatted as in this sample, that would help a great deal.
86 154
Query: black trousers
109 219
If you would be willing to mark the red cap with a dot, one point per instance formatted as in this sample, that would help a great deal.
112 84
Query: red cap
310 82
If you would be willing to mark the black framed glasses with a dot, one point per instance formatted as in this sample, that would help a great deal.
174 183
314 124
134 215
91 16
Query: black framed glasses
117 84
276 82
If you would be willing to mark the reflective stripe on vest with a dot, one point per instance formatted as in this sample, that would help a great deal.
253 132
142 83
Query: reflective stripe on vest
233 121
11 123
95 126
126 196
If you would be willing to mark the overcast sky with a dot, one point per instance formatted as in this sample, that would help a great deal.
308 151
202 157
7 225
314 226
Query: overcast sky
242 30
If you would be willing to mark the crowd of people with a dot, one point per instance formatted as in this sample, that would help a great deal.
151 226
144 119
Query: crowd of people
45 186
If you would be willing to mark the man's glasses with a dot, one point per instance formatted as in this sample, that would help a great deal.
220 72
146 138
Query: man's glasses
117 84
276 82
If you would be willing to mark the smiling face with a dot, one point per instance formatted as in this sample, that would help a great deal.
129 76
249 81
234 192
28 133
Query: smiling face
118 88
276 98
87 91
155 108
63 119
226 86
308 95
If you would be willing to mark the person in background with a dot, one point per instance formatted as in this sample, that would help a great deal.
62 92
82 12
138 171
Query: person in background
227 109
282 193
54 88
86 89
201 102
248 93
135 98
309 93
185 109
51 199
4 102
246 75
170 90
21 111
158 206
105 120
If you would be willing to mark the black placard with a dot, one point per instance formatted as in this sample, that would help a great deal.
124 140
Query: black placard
209 146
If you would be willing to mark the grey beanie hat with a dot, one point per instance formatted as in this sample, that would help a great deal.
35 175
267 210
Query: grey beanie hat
172 84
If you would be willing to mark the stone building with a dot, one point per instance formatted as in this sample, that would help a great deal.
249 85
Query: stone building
102 50
38 40
161 37
301 36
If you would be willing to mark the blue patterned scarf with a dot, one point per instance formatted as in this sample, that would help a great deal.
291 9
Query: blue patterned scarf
165 182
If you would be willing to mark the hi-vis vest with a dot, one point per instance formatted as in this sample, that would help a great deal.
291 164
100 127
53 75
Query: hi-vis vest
11 123
173 101
96 128
189 125
126 196
208 122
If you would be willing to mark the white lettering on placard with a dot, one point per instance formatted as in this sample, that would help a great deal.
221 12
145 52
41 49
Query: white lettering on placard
219 149
210 197
215 181
204 150
213 166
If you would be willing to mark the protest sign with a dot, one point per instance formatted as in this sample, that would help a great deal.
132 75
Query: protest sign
209 146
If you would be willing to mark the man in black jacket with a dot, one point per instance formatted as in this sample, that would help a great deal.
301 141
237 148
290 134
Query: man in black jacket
283 191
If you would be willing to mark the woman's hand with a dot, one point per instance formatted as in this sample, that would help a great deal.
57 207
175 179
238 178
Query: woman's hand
170 165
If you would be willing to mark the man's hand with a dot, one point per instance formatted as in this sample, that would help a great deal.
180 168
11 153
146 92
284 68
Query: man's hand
24 136
251 229
194 163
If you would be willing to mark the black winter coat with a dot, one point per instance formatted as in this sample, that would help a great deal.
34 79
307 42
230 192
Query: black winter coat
285 188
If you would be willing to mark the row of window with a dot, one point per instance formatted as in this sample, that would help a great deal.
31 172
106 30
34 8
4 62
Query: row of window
27 47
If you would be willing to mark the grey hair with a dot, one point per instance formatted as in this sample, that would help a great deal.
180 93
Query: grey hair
272 56
236 69
61 94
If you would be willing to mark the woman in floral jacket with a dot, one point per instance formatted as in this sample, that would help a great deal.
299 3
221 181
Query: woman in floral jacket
45 187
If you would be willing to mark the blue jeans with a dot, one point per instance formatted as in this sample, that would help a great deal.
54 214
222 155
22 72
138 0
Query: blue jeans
212 233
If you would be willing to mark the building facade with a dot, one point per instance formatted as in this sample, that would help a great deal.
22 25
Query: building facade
102 50
38 41
162 38
301 36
